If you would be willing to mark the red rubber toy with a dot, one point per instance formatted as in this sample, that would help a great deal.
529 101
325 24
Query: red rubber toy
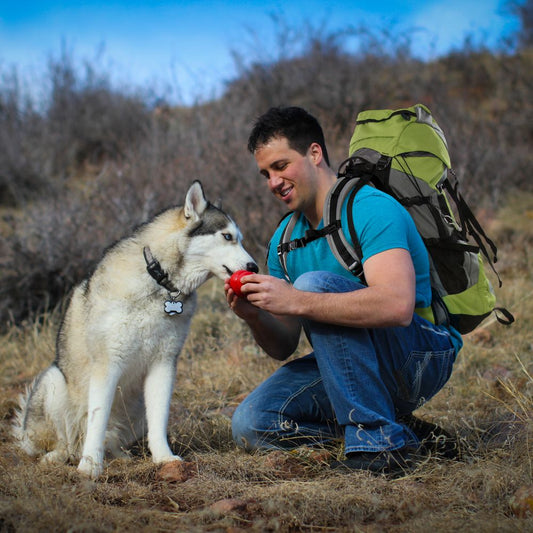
235 281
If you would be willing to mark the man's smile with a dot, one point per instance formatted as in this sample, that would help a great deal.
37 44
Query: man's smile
286 191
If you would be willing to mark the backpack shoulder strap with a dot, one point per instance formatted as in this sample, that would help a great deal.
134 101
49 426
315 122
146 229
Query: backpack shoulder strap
347 255
284 246
357 173
287 245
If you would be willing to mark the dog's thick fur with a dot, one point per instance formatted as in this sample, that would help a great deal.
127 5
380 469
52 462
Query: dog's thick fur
117 348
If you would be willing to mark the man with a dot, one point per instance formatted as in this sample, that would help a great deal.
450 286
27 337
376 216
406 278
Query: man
374 361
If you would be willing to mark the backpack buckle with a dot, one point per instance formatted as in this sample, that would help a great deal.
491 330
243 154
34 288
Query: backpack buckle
286 247
296 243
383 163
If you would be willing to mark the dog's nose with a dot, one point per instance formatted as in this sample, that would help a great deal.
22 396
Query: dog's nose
252 267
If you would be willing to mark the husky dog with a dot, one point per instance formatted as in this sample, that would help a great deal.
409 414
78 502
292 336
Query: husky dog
121 335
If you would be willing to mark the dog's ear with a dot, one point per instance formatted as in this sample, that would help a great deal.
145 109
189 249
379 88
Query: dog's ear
218 203
195 201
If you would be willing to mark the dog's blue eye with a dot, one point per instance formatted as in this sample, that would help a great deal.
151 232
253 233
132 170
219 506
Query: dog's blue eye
227 236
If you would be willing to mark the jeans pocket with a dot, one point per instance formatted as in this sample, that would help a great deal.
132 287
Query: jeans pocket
423 375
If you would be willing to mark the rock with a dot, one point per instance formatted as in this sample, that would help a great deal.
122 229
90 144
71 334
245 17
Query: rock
177 472
481 336
283 464
228 505
497 373
521 501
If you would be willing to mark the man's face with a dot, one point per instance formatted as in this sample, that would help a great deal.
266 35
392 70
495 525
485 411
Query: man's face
291 176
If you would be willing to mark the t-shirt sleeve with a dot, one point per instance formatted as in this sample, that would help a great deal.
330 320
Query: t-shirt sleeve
382 225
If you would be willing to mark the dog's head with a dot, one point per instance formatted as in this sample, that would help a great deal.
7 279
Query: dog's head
215 241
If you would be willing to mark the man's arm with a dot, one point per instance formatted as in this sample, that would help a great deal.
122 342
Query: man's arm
388 301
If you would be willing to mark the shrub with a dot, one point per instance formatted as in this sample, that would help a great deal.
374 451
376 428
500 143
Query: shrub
90 162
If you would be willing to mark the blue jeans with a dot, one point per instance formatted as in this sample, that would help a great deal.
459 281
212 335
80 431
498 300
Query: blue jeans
355 384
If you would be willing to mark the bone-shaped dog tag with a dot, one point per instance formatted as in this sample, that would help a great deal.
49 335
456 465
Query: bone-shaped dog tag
173 308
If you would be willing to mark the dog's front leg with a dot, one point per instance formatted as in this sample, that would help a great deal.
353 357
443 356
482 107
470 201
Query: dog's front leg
157 394
102 387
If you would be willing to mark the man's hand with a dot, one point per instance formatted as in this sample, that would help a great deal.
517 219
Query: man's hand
239 304
265 308
269 293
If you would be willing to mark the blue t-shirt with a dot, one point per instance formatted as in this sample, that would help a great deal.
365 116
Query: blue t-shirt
381 224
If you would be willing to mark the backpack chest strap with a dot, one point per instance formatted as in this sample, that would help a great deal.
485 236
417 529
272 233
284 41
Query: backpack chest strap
309 236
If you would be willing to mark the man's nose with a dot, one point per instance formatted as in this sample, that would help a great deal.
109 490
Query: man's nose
275 180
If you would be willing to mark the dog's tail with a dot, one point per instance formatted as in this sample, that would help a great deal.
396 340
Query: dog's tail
19 428
33 427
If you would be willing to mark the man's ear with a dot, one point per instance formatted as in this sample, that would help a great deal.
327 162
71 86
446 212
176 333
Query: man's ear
315 151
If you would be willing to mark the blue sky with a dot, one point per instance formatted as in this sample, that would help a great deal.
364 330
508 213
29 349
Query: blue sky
186 45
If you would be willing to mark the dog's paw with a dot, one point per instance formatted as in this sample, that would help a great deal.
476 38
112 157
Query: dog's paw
90 467
55 457
167 459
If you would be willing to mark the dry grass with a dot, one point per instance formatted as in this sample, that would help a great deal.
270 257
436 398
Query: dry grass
488 403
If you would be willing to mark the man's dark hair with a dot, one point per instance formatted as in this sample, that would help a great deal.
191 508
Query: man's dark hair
294 123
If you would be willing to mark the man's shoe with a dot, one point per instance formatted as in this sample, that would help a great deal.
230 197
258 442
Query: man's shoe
385 462
434 440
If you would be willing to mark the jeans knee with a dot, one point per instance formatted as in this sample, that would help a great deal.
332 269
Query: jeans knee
311 282
323 281
242 432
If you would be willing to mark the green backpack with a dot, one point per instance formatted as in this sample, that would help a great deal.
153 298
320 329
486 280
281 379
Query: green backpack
404 153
